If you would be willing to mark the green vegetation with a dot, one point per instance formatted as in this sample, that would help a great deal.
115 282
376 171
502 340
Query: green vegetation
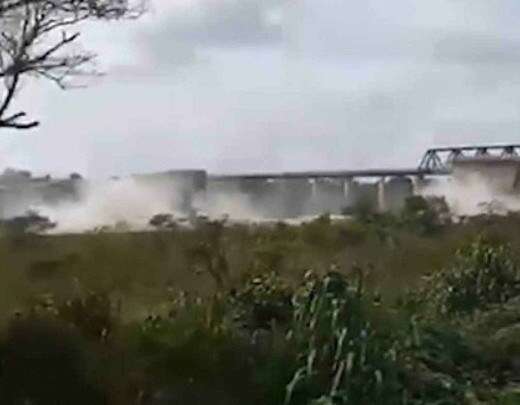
379 309
482 274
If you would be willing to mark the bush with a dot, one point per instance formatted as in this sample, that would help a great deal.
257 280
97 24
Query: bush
44 362
191 359
262 300
425 216
483 274
354 233
317 232
362 210
269 256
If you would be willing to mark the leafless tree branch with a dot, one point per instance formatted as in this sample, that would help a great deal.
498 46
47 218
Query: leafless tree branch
36 40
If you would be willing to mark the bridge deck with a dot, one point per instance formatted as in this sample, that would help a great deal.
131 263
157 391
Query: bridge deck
436 162
465 148
334 174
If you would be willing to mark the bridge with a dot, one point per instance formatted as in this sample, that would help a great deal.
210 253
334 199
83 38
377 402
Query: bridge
286 194
435 162
389 187
331 174
439 160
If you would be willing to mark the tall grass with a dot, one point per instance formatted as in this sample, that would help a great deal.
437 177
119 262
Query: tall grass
267 315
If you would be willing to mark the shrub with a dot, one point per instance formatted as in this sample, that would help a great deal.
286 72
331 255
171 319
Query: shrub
192 361
425 215
317 233
45 362
353 234
262 300
269 256
483 274
189 363
362 210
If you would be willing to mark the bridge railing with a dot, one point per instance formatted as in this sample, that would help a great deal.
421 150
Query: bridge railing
439 160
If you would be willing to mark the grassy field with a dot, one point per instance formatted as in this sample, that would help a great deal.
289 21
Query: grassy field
143 266
402 309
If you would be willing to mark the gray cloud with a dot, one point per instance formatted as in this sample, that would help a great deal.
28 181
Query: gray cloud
228 22
477 49
242 86
224 23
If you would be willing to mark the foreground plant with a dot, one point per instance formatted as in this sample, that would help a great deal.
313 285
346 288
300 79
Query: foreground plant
343 358
483 274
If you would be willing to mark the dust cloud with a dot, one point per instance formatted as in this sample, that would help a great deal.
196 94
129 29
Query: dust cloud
473 194
237 206
129 204
108 203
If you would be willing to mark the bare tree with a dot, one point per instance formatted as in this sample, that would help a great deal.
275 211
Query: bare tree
36 38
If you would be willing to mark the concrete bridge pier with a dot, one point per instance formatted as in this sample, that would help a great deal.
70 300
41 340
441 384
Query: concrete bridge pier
296 194
348 193
314 188
381 195
421 184
347 187
327 195
313 201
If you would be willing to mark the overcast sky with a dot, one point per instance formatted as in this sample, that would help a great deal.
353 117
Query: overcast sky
251 85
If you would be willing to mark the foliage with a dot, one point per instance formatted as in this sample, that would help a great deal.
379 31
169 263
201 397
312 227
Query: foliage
315 232
425 215
353 234
203 358
263 300
482 274
46 363
135 325
210 254
343 359
361 210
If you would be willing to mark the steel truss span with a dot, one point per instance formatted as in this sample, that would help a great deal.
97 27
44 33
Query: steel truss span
435 162
438 160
